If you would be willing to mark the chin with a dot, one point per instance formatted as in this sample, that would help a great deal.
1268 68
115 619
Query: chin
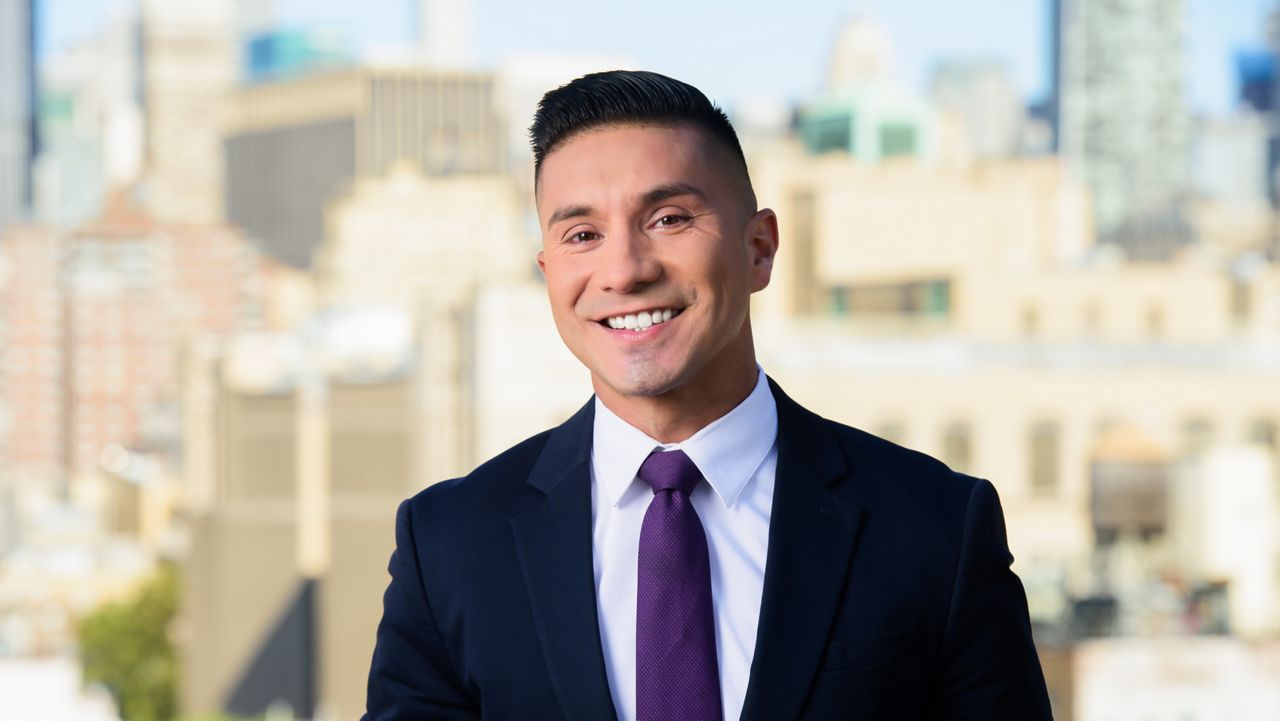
644 380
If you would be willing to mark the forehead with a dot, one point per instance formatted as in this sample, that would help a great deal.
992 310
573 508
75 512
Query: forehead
617 159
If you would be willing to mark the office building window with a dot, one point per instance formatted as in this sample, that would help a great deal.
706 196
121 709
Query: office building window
833 132
1043 446
1263 432
897 139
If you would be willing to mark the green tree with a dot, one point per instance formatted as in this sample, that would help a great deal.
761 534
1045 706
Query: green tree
125 646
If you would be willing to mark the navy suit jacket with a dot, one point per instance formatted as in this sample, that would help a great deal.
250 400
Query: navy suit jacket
888 592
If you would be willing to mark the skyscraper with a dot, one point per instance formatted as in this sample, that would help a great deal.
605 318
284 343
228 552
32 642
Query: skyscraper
982 96
91 120
1122 123
293 146
188 74
17 108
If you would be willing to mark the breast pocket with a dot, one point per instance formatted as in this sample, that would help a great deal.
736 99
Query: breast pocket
871 651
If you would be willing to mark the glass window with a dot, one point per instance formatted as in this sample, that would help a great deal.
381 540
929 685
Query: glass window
1263 432
832 132
1044 451
897 139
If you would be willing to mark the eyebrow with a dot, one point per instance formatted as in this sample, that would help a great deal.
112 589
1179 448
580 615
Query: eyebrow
656 195
571 211
672 190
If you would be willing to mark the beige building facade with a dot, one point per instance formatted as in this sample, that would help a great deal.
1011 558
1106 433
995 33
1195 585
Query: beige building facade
188 75
293 147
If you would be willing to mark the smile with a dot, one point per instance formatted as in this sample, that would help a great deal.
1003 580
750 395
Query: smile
642 319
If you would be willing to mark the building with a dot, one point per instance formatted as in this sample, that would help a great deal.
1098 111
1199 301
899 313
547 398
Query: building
17 109
1122 123
871 238
963 309
90 332
982 95
862 54
92 126
1225 526
415 241
1256 77
864 111
300 447
413 366
289 540
251 19
283 54
1198 678
31 374
1230 159
521 81
189 71
293 147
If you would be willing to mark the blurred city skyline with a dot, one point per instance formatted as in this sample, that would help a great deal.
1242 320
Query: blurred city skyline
266 269
789 69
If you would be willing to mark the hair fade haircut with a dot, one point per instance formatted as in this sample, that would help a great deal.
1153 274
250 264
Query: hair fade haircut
621 97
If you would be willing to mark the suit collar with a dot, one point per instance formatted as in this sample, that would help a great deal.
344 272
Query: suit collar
727 451
568 446
553 541
813 531
812 534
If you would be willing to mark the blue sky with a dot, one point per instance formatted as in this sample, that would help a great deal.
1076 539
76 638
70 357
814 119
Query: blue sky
748 49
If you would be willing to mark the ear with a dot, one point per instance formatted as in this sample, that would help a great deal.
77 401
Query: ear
762 246
542 263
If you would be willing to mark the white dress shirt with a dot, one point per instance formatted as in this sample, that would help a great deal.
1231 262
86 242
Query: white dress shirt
738 457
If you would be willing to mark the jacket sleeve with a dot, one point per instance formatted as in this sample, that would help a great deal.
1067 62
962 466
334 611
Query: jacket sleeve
989 666
411 676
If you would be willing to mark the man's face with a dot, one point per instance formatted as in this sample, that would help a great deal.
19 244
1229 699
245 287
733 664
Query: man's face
651 255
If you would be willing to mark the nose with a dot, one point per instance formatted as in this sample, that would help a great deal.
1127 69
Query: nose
627 262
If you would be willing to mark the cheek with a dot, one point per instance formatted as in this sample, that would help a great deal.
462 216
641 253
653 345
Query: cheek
563 284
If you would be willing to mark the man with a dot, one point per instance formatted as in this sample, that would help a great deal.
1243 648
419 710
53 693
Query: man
692 544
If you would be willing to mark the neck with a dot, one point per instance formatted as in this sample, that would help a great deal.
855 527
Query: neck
677 414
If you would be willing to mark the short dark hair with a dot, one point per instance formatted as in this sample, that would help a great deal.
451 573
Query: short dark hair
621 97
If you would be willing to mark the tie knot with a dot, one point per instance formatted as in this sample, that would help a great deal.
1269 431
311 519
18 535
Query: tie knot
669 471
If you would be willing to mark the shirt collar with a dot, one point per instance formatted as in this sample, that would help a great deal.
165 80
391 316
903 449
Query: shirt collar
727 451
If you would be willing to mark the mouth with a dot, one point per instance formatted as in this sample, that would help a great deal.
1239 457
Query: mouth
640 320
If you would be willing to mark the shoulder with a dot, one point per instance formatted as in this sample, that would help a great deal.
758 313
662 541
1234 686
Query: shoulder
908 484
491 493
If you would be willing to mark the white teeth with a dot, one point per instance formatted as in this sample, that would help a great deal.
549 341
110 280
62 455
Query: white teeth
640 320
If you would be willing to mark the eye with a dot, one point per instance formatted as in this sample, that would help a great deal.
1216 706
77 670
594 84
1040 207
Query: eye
670 220
582 236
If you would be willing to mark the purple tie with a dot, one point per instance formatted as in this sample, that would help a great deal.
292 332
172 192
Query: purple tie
676 676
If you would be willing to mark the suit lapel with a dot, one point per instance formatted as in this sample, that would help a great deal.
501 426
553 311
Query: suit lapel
812 534
553 540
